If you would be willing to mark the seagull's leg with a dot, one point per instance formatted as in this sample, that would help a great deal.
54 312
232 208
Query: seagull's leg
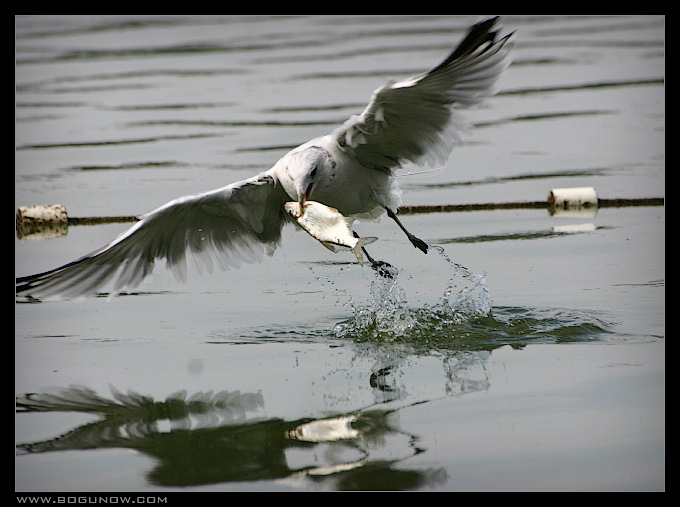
380 267
417 242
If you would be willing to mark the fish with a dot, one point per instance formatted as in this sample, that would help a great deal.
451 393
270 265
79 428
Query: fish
328 226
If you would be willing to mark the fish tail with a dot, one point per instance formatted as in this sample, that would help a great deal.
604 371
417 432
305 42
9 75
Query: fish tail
362 242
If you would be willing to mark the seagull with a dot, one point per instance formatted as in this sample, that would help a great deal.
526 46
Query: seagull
351 169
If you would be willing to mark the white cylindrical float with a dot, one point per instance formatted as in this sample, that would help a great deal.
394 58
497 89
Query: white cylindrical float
581 201
41 214
41 222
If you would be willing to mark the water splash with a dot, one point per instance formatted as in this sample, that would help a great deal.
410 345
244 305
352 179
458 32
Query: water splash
389 317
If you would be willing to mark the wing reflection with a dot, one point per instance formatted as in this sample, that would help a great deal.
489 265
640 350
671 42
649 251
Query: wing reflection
219 437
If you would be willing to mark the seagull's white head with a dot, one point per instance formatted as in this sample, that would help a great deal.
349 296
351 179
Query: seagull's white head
305 170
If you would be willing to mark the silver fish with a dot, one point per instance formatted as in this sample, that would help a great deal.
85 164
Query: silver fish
328 226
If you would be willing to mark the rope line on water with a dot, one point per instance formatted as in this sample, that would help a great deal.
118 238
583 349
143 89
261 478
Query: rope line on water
449 208
53 220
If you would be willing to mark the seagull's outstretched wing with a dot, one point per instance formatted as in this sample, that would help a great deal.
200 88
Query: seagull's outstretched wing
413 120
237 223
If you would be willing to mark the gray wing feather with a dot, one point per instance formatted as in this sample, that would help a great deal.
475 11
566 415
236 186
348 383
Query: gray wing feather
238 223
413 120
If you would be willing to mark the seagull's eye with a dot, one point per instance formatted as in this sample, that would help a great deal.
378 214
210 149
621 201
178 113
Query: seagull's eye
313 173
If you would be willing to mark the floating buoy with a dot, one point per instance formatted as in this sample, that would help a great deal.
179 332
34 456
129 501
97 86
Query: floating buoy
41 214
41 222
48 222
582 201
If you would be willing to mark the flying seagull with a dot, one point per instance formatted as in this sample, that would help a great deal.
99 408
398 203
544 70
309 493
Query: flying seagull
352 169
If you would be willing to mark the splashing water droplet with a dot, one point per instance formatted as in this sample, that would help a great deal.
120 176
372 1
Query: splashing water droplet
388 316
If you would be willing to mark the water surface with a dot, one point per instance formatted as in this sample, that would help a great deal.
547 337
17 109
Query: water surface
524 352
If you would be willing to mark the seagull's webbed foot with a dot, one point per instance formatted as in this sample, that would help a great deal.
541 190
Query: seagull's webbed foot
384 269
416 242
